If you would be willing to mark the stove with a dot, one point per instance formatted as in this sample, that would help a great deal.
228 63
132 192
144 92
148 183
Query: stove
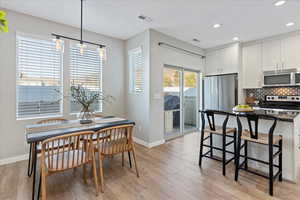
281 103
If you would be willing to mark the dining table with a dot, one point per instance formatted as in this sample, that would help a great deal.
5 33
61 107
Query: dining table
37 133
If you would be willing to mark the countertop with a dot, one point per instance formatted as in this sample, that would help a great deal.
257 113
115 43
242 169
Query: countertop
281 115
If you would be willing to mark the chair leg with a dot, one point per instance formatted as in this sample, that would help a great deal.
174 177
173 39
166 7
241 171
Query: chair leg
84 173
122 159
237 158
280 161
224 154
201 148
129 158
135 163
101 172
95 174
246 154
43 183
271 169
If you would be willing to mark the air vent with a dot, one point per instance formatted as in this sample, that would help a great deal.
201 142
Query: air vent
145 18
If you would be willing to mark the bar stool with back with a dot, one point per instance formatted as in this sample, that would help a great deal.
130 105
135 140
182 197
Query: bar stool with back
269 140
211 130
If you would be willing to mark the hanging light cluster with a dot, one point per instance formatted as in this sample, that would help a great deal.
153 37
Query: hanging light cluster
82 45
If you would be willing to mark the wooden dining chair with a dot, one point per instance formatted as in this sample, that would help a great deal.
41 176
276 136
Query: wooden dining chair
65 157
38 149
112 141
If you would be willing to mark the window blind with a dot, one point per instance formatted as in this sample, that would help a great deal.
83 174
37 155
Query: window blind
136 65
39 78
86 70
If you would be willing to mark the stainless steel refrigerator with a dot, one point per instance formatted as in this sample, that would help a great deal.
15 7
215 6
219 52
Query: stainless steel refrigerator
220 92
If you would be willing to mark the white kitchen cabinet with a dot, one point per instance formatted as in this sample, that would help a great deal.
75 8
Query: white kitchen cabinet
291 52
222 61
212 60
271 55
281 54
252 66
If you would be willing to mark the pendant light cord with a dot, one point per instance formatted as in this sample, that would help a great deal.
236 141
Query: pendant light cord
81 16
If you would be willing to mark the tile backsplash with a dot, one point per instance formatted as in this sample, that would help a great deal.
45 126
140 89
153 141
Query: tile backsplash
280 91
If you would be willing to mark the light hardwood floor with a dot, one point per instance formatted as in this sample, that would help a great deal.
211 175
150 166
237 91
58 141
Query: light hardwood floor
169 171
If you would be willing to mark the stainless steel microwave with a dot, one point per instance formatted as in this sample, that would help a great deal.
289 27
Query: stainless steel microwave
288 77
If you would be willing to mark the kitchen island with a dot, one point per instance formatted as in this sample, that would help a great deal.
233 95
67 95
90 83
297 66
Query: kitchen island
288 125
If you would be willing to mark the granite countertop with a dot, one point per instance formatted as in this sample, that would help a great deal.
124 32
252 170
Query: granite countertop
281 115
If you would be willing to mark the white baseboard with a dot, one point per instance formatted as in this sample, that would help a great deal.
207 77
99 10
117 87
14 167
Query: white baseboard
147 144
14 159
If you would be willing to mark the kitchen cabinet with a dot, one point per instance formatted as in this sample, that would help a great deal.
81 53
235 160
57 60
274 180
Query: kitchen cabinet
291 52
281 54
222 61
271 52
212 63
252 66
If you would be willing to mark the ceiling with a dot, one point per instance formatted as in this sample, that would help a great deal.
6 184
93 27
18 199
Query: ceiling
182 19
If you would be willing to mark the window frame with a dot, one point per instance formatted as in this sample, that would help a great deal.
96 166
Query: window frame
132 71
61 78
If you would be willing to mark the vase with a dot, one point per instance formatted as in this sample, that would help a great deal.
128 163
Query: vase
85 116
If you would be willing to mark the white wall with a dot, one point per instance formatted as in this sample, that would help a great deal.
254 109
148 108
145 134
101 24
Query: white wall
160 56
12 142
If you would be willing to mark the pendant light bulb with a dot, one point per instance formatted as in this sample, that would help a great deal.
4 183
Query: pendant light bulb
58 44
102 53
81 48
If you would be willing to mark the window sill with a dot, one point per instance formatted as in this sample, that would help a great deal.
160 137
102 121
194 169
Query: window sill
39 117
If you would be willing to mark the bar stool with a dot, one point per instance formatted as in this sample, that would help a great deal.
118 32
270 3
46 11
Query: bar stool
211 130
252 135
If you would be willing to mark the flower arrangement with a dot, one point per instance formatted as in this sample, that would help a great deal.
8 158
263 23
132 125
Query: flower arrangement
3 22
86 98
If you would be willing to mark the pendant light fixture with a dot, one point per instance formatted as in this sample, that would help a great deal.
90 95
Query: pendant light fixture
82 45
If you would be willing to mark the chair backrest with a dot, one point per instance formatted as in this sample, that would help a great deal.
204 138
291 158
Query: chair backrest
52 120
253 122
114 139
67 151
210 115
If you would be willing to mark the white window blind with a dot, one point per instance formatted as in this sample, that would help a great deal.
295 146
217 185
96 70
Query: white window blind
136 70
39 78
86 70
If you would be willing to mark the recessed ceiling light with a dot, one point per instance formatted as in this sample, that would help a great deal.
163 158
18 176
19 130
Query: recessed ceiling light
235 39
279 3
217 25
290 24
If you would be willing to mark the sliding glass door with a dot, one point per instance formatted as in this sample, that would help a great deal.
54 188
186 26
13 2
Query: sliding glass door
181 101
190 100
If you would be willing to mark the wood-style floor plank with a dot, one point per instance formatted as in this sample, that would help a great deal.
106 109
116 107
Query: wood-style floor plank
169 171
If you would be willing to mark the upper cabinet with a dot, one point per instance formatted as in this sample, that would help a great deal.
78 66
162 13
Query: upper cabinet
271 52
252 70
291 52
281 54
222 61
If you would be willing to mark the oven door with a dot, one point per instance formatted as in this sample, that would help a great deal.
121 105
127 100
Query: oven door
279 79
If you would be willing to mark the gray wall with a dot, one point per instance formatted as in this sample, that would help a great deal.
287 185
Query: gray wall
138 104
13 141
161 56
